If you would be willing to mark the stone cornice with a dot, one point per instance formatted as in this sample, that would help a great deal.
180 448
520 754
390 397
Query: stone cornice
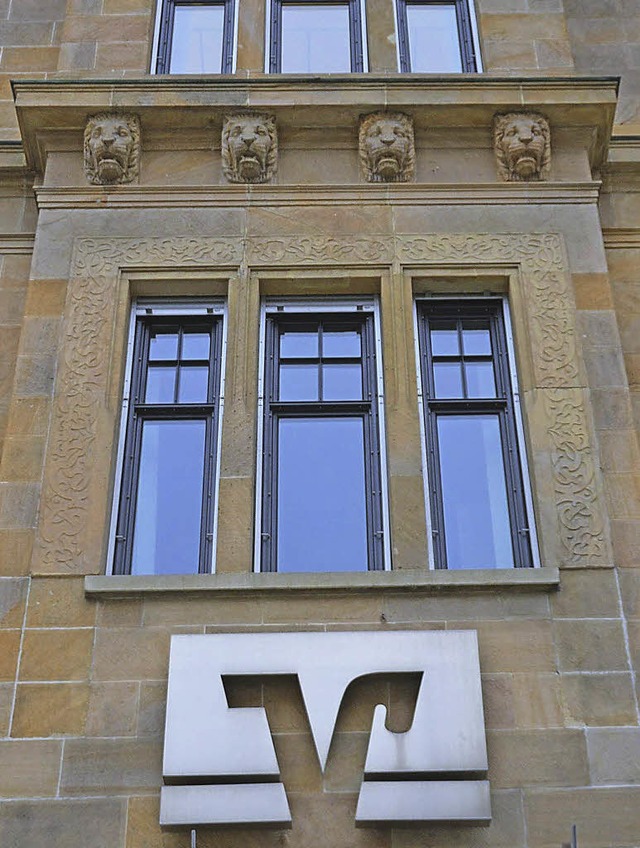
175 104
449 194
621 239
19 243
419 581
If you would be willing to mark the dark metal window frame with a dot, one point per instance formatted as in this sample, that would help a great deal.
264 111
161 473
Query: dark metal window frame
367 408
465 33
502 404
355 31
138 412
165 37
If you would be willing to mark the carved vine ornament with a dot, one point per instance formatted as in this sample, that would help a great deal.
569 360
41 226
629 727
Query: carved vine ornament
521 140
112 149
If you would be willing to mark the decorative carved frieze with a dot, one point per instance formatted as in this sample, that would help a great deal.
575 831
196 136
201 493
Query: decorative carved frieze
522 145
112 149
249 147
387 149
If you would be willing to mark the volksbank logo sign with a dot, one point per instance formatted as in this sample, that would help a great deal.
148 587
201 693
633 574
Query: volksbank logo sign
220 766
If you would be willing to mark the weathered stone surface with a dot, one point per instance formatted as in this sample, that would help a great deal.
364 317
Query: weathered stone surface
111 766
590 645
596 812
50 709
28 769
614 755
59 603
552 757
63 823
599 699
56 654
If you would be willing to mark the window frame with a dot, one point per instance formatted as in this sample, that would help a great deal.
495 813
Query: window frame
378 548
517 483
144 313
467 36
161 61
357 34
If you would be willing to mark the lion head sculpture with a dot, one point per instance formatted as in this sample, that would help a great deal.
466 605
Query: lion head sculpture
249 148
522 144
112 149
387 151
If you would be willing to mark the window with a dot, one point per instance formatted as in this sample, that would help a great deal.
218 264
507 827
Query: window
435 37
322 484
195 37
166 513
308 36
476 491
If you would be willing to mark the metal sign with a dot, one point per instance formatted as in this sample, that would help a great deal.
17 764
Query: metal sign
220 766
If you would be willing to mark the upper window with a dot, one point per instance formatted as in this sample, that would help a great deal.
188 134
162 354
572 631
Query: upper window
196 37
435 37
166 512
322 502
311 36
479 516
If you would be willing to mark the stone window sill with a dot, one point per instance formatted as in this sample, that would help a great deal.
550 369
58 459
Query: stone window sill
414 580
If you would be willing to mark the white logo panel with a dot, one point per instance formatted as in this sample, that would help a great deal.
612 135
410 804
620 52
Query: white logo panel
220 764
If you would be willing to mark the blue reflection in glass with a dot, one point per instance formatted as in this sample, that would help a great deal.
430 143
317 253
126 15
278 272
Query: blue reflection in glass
298 382
447 377
480 380
341 382
322 516
476 513
433 38
444 341
193 384
169 500
344 343
299 345
196 47
315 38
195 346
476 342
163 345
161 381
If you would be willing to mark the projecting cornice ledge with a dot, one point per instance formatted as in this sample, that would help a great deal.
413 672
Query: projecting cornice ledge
448 105
414 581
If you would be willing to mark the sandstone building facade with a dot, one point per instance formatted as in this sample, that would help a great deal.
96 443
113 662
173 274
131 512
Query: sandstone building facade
297 349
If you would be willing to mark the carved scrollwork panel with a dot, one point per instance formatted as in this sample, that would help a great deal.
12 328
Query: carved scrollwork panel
575 479
82 380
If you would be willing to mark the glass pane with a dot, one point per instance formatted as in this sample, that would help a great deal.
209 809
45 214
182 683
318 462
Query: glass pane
448 379
476 342
195 346
322 514
341 382
345 344
476 515
169 500
480 380
298 382
196 46
163 344
433 38
303 345
193 384
444 340
315 38
161 382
